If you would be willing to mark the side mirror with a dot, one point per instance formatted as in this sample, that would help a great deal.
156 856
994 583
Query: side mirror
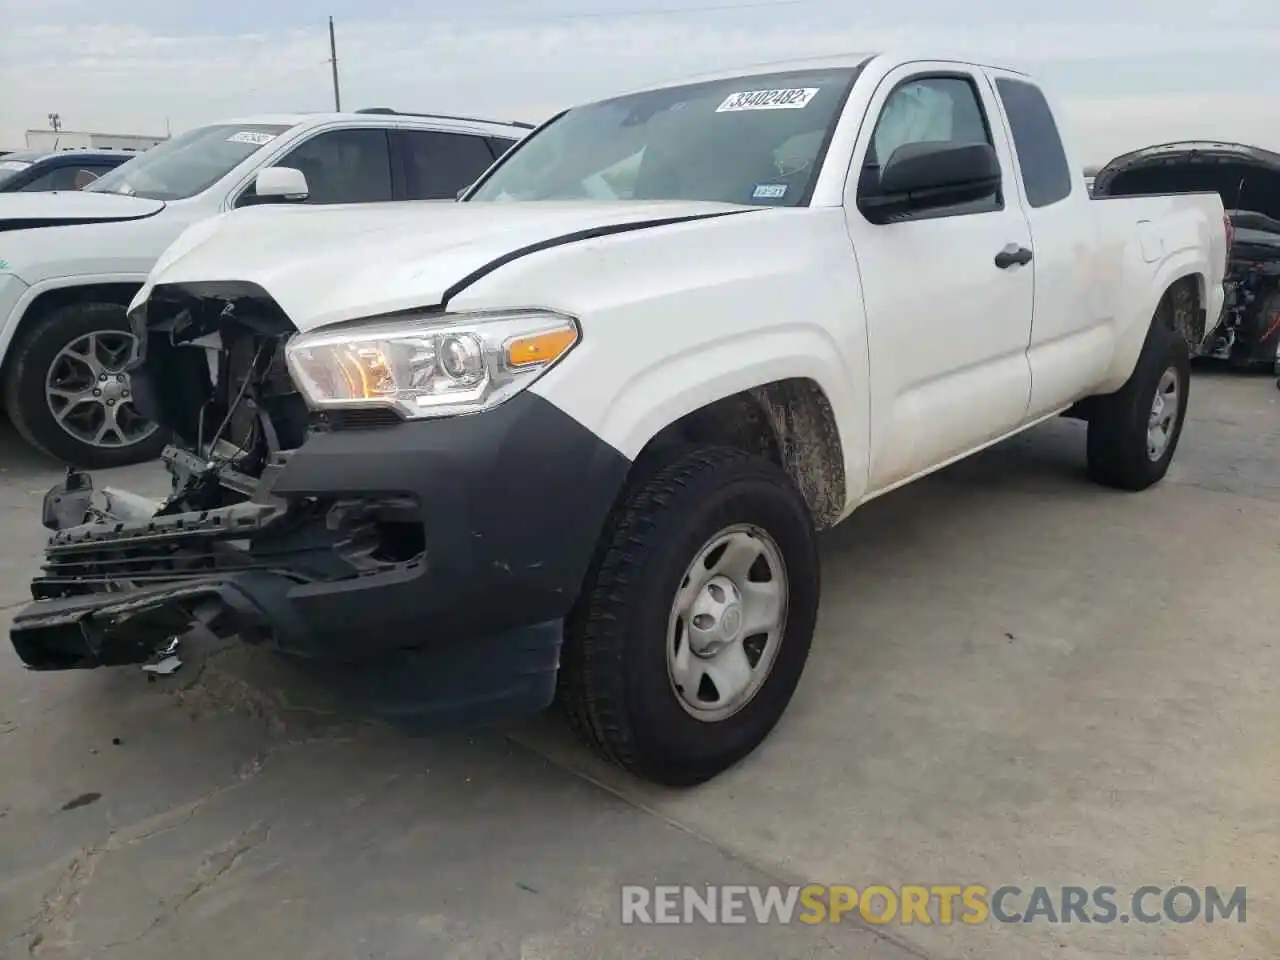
280 185
930 176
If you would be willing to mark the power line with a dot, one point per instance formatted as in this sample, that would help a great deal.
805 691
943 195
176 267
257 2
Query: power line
260 87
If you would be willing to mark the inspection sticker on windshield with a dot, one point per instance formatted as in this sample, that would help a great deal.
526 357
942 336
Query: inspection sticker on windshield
794 99
251 136
769 191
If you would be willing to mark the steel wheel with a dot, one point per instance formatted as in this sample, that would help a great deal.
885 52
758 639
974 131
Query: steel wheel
727 623
91 396
1164 415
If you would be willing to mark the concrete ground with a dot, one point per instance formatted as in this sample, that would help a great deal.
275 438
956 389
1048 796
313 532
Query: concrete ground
1018 678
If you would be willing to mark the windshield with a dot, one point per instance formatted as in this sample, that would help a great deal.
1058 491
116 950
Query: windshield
187 164
9 167
752 140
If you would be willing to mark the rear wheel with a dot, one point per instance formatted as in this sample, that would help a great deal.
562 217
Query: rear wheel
697 620
1134 432
68 394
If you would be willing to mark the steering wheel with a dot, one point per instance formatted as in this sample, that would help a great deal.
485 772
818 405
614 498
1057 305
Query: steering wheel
789 167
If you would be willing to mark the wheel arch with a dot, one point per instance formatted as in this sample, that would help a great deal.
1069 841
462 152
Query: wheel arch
1181 307
54 298
790 422
1158 307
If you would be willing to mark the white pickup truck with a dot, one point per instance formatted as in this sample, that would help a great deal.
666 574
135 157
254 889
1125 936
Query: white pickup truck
575 435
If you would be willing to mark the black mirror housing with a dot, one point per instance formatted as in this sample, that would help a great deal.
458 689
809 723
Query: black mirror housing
931 175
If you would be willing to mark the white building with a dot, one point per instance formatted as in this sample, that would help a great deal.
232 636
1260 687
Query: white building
53 140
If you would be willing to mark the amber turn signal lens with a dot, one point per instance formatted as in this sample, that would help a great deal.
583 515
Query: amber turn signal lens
539 347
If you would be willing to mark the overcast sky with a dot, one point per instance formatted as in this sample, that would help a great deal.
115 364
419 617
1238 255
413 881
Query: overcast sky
1130 72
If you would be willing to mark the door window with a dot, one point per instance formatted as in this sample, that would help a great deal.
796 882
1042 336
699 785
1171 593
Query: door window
438 165
59 178
343 166
928 110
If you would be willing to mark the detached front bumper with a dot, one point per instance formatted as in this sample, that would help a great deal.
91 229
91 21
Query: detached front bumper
427 567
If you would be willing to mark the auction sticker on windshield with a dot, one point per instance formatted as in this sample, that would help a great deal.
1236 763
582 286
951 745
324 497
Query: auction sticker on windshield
251 136
794 99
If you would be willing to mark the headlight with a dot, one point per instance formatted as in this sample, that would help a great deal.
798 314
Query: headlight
429 366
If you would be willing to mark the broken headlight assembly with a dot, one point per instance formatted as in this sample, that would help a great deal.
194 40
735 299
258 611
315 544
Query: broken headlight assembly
432 365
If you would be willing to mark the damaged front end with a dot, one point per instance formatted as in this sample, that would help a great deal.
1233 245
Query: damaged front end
123 575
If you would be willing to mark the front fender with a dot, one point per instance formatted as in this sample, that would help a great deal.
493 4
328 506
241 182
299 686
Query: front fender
627 408
11 319
678 317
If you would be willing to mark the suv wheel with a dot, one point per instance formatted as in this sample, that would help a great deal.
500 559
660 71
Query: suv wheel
68 394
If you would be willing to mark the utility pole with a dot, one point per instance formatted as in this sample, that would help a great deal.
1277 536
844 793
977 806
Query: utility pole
333 62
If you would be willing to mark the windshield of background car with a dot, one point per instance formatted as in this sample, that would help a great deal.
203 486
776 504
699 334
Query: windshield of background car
189 163
752 140
9 166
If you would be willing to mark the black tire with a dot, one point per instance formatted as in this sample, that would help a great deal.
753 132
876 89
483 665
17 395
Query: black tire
24 387
1117 440
614 683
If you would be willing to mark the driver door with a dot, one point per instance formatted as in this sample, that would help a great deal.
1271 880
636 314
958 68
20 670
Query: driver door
341 166
948 330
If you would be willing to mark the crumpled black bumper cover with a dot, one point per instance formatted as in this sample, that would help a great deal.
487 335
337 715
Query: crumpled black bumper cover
481 678
512 500
111 629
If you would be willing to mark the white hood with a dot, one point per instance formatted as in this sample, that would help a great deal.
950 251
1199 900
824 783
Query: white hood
20 211
327 264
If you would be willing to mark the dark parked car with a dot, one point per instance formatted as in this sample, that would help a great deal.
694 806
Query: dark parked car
33 171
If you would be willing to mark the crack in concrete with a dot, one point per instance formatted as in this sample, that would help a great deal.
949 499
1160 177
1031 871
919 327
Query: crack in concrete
771 873
53 925
213 868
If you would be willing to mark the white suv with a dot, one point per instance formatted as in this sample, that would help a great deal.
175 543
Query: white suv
70 262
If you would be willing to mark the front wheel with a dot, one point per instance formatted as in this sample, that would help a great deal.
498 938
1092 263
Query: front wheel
68 393
696 623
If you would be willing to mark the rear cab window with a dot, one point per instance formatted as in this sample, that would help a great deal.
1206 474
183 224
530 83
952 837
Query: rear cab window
1042 160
